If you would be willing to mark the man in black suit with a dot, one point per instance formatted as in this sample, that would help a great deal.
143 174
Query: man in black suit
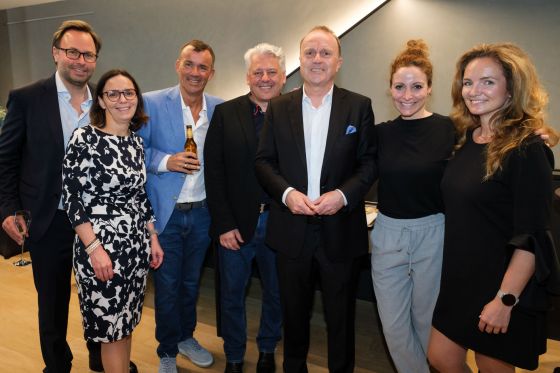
37 127
315 159
239 209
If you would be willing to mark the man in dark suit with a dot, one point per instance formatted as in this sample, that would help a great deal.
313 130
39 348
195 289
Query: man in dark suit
239 209
315 159
38 125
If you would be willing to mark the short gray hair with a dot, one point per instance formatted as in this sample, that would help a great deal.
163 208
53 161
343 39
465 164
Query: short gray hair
265 48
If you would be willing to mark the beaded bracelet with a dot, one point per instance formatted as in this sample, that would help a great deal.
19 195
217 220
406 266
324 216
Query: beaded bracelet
152 231
92 246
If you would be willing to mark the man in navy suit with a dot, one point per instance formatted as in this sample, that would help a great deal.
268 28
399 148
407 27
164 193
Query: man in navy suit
316 161
239 209
176 190
40 119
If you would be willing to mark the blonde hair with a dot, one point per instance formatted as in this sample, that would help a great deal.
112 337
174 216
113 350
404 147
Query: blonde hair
522 114
415 54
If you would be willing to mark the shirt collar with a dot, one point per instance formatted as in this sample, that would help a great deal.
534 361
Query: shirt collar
63 91
326 97
184 106
256 109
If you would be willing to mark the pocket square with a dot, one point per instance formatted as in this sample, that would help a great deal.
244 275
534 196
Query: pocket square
350 129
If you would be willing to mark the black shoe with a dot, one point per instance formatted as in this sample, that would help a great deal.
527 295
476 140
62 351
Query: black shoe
133 368
96 365
266 363
234 368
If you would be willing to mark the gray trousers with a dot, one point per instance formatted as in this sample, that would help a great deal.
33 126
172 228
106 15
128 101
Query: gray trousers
406 269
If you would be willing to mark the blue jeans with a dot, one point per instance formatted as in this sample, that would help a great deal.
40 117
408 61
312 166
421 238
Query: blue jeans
235 273
184 242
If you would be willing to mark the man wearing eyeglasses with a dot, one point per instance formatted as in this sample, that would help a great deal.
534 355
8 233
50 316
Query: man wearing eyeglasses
176 190
40 119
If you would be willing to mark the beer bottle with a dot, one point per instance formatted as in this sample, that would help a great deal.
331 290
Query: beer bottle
190 145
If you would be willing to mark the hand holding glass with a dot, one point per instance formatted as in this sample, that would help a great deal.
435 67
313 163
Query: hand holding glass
22 219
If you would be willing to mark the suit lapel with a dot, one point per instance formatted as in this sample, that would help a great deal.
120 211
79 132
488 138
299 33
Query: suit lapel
174 108
49 101
296 123
336 126
243 112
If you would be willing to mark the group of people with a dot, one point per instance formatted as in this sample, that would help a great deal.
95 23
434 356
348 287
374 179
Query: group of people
461 257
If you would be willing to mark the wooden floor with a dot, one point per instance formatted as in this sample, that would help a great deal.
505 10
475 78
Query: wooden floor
20 352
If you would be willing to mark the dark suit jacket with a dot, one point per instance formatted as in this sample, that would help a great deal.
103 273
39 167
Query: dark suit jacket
348 165
31 153
232 190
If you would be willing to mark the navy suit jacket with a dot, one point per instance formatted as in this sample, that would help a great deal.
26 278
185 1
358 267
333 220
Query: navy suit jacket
165 134
31 154
348 165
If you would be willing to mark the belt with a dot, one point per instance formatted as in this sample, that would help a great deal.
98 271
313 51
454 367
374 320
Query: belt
315 220
187 206
264 207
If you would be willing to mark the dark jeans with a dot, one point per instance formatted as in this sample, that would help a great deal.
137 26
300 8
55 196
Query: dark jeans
235 273
184 242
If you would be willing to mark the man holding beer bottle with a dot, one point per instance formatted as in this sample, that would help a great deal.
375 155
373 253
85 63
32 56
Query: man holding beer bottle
176 190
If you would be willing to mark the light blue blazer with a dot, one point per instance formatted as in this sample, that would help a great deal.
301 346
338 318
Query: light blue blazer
165 134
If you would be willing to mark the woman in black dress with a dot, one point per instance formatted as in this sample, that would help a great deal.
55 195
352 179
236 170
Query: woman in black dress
103 186
498 260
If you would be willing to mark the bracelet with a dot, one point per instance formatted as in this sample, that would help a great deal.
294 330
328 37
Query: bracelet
92 241
92 246
152 231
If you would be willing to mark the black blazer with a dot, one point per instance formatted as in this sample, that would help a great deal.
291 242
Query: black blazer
348 165
232 190
31 153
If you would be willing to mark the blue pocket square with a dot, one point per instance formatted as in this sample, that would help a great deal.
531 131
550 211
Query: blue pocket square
350 129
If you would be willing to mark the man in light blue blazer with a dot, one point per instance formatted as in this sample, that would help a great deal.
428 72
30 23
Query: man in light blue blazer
176 190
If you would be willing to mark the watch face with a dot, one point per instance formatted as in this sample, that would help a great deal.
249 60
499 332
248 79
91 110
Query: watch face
509 299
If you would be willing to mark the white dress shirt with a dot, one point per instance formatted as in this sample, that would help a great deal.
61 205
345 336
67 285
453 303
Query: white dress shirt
315 130
193 189
68 115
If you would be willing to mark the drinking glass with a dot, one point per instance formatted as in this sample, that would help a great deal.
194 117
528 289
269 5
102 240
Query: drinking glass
22 218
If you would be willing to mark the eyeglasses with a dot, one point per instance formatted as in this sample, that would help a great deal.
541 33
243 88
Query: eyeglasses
115 95
75 54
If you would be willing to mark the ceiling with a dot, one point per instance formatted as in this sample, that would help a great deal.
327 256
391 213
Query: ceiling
8 4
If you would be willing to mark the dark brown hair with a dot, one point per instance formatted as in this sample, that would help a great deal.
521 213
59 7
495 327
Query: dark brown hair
199 46
77 25
97 113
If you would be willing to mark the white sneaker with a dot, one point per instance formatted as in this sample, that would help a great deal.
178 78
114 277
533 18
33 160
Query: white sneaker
196 353
167 365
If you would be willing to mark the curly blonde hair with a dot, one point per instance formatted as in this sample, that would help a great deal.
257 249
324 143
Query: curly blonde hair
521 115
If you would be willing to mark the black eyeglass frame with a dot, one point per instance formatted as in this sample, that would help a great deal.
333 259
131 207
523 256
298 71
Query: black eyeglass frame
124 93
88 56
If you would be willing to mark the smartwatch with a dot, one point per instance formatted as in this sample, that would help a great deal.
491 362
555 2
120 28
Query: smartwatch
508 299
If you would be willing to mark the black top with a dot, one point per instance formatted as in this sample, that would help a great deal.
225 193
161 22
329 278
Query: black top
411 158
485 221
258 120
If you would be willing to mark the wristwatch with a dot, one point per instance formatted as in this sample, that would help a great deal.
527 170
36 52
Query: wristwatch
508 299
